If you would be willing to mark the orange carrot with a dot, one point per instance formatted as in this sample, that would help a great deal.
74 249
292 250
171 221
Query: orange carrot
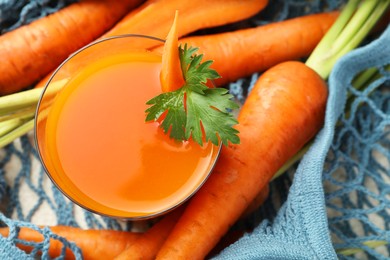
154 17
233 235
94 244
32 51
149 243
284 110
171 76
244 52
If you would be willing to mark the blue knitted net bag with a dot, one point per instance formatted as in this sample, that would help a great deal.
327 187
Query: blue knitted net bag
333 204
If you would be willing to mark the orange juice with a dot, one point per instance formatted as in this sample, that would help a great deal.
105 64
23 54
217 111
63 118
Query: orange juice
101 153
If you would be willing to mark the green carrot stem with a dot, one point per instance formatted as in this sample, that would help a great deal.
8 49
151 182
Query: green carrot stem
292 161
367 76
352 251
20 100
17 132
20 114
361 80
353 26
332 34
366 27
9 125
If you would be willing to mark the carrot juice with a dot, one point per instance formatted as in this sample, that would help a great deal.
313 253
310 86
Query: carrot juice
100 152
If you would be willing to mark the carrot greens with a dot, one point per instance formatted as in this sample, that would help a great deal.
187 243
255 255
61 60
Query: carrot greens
195 108
353 25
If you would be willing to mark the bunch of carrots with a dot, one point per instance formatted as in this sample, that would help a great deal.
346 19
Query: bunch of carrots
283 112
25 66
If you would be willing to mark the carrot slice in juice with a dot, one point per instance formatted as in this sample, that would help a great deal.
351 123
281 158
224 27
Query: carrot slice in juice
171 73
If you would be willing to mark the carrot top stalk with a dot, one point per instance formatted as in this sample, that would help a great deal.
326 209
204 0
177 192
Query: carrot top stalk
17 113
355 22
147 245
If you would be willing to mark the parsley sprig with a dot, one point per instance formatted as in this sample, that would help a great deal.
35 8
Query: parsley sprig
195 109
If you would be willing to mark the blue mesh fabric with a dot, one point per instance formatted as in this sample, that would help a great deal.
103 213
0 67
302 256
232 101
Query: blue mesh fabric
339 192
357 170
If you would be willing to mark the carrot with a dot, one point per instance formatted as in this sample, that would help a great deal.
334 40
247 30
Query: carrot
235 234
149 243
93 243
171 76
32 51
154 17
284 110
244 52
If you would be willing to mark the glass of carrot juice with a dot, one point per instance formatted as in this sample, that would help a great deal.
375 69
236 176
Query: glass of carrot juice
93 140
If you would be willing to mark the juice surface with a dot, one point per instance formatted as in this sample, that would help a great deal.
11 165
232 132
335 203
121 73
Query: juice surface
102 153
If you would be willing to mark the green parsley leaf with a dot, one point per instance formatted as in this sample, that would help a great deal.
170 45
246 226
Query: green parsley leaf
195 109
175 119
210 111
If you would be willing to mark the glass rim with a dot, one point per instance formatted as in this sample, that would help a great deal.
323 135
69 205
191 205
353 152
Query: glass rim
58 186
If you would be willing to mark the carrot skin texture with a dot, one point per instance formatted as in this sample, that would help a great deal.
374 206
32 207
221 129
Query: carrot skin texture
32 51
244 52
148 244
284 110
93 243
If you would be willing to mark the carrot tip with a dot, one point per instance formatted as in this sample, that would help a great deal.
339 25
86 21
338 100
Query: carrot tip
171 75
